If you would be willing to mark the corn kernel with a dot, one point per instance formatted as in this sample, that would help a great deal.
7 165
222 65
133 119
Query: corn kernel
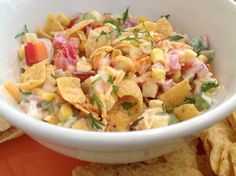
158 73
65 113
157 55
29 37
13 90
21 52
146 47
155 103
47 96
142 19
190 54
51 119
176 76
64 20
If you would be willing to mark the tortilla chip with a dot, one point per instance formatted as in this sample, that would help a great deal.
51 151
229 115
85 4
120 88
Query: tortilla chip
186 111
147 26
185 156
41 33
11 133
70 90
177 94
232 120
214 140
101 50
160 169
78 26
119 118
33 76
233 157
164 27
52 24
204 165
4 125
226 168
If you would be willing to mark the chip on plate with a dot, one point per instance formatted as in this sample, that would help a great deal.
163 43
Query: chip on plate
9 134
164 27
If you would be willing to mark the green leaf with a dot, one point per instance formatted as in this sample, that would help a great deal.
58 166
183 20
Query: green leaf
24 96
198 44
173 119
136 122
210 54
125 15
175 37
190 100
201 104
95 124
97 101
127 105
207 85
114 87
103 33
165 16
25 30
110 80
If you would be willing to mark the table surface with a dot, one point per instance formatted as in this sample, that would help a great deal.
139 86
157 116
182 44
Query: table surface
25 157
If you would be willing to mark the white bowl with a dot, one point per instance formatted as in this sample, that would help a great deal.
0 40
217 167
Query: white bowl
216 18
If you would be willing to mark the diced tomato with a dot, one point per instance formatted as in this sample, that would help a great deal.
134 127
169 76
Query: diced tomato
187 66
84 75
97 25
112 63
35 52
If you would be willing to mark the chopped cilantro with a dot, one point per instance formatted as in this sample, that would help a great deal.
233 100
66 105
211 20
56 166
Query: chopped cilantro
207 85
175 37
103 33
125 15
132 38
95 124
97 101
127 105
136 122
25 30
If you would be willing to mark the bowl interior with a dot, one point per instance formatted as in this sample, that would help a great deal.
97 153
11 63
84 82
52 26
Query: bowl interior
216 19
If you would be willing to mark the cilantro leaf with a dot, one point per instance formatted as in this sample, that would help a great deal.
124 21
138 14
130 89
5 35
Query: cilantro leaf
110 80
175 37
136 122
95 124
97 101
103 33
127 105
25 30
207 85
201 104
131 38
114 87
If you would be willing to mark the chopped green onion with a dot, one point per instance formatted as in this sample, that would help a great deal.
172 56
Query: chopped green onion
95 124
125 15
207 85
97 101
175 37
190 100
136 122
132 38
115 88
